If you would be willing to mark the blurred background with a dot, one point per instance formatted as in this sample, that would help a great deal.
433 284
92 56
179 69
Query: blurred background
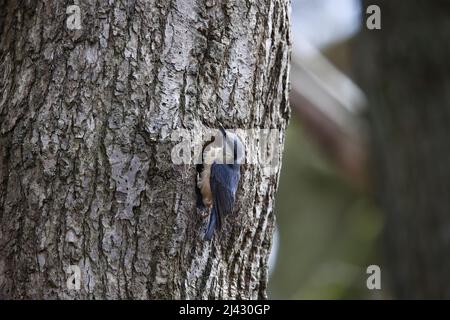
328 226
366 175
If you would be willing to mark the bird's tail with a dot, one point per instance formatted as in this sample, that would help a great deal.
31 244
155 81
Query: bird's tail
211 225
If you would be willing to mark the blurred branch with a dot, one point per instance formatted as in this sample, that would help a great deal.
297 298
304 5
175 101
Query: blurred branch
329 105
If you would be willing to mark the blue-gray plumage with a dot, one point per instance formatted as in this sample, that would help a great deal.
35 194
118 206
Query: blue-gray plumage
219 179
224 182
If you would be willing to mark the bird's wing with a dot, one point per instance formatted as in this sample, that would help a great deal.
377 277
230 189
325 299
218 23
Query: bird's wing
223 186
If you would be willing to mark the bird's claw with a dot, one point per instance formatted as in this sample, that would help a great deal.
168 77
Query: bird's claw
205 213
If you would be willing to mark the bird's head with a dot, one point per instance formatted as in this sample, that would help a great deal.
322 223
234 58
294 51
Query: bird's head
234 148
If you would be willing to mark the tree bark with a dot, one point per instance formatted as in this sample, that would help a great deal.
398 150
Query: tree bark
86 118
405 71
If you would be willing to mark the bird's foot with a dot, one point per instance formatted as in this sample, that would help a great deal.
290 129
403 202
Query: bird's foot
204 212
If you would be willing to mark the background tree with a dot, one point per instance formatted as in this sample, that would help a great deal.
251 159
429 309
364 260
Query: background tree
405 72
85 120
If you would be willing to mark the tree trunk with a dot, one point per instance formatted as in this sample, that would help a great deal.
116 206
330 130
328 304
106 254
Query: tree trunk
405 71
86 117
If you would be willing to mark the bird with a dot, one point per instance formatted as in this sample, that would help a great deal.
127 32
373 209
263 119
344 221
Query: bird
219 179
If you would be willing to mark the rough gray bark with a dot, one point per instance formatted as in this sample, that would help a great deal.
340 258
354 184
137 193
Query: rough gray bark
85 121
404 69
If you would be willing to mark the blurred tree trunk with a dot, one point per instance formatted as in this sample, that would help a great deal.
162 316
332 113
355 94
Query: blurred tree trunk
404 68
86 177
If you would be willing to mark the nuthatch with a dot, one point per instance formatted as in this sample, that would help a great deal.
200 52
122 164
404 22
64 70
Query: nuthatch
219 179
